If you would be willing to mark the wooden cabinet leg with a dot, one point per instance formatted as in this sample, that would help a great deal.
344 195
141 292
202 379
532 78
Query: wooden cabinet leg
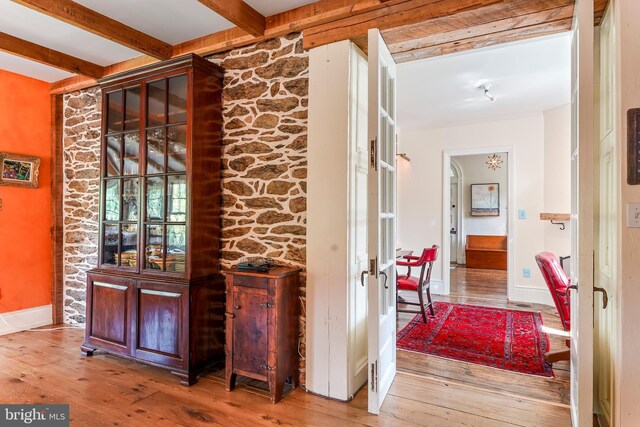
230 381
277 390
88 351
186 379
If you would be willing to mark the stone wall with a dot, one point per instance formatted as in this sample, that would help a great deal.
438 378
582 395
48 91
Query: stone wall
265 156
264 166
81 164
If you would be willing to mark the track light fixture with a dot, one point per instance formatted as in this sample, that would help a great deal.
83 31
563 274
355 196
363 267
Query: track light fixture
485 89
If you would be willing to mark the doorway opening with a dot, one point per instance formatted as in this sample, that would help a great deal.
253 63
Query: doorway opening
488 181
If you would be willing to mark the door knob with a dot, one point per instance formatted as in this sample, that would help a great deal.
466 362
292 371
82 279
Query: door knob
362 277
382 273
605 296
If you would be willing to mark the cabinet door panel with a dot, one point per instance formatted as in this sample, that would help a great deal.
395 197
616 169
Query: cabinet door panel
160 321
110 312
250 337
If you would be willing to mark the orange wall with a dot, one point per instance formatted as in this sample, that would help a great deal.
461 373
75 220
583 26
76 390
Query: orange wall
25 127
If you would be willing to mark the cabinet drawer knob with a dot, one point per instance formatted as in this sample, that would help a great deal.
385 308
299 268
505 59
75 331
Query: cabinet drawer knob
237 307
230 315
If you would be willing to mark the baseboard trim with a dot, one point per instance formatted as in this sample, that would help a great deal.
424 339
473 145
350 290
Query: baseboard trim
437 287
21 320
532 295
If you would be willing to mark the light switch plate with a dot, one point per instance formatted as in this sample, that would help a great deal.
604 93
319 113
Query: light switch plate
633 215
522 214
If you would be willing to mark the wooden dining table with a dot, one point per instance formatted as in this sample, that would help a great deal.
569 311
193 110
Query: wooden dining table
401 253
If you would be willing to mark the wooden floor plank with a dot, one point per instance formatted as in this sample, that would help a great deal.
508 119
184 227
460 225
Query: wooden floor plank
499 389
103 390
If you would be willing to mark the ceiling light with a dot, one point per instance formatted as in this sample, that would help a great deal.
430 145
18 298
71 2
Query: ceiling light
485 88
494 162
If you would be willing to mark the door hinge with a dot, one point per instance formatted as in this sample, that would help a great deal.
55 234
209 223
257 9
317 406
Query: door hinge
266 305
267 367
374 376
373 158
373 267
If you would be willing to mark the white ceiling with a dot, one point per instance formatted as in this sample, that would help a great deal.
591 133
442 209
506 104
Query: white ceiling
525 77
271 7
172 21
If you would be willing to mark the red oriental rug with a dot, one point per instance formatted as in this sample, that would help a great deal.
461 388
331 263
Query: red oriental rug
505 339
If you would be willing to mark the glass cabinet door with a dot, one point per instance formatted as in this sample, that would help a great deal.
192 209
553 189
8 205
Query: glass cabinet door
165 180
120 180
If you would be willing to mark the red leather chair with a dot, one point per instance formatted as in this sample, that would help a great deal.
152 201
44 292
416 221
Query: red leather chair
558 284
418 284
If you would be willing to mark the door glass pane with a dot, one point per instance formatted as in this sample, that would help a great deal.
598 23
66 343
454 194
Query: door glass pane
112 200
178 99
114 116
155 197
153 247
132 103
131 153
155 151
113 155
176 198
110 244
177 148
156 95
130 196
129 239
176 238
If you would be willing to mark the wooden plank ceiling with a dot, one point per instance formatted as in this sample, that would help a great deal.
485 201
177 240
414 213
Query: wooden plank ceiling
413 29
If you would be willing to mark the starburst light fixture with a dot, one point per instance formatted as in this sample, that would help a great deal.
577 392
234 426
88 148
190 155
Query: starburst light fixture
494 162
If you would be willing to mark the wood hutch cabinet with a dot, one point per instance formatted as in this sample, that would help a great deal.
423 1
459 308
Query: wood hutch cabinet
157 294
262 327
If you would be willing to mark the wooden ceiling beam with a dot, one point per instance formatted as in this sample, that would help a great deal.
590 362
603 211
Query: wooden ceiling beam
467 19
431 14
470 30
89 20
486 40
44 55
239 13
280 24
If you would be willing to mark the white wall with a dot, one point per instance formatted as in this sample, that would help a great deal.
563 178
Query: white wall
420 191
557 177
475 171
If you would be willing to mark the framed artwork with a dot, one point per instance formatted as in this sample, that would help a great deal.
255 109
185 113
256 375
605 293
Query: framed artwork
485 199
19 171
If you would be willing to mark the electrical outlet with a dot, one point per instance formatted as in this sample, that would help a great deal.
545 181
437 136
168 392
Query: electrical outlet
522 214
633 215
526 273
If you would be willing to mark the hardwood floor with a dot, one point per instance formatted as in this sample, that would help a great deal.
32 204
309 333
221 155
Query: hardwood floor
501 396
47 367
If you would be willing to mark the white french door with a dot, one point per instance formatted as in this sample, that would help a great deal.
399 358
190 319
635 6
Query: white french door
381 228
582 214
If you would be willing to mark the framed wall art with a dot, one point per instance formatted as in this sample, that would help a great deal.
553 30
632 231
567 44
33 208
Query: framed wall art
19 170
485 199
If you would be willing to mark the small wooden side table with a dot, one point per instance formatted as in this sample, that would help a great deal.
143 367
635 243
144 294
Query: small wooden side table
262 327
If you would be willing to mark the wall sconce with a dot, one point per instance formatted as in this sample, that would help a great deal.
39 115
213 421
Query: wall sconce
404 156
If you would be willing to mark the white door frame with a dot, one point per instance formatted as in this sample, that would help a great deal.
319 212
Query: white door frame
459 230
511 211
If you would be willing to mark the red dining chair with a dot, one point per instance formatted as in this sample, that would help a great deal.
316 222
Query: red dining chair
558 284
417 284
